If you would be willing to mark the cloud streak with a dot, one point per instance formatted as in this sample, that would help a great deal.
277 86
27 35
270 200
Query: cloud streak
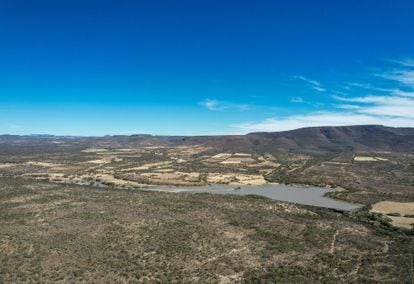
391 107
216 105
311 83
403 77
337 118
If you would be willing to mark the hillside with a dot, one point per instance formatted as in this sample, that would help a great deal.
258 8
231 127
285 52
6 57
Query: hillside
317 140
79 209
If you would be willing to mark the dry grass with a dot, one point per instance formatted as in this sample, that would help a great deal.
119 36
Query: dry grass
404 210
55 233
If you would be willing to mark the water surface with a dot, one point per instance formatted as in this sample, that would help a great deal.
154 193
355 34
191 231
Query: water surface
291 193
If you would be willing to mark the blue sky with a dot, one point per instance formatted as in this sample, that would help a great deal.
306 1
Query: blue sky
203 67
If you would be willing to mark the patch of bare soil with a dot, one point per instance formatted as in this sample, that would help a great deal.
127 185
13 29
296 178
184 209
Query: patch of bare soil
236 179
6 165
401 213
403 208
368 159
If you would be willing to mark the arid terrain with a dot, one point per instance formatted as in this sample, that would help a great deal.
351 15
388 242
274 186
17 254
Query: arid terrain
75 208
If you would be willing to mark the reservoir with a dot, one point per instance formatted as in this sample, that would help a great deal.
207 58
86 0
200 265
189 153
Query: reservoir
306 195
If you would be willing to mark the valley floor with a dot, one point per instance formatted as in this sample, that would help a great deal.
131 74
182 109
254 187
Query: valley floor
72 212
70 233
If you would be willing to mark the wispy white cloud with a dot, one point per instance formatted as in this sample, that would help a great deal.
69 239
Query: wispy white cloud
400 93
211 104
347 106
408 62
311 83
372 99
322 119
387 106
337 118
404 77
216 105
388 91
393 102
368 86
319 89
393 105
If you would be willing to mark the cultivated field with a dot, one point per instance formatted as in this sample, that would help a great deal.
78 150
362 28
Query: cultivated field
76 209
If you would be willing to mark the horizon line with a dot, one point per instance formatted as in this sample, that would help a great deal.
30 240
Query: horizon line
48 135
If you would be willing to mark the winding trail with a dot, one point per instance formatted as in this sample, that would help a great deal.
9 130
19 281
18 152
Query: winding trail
332 249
